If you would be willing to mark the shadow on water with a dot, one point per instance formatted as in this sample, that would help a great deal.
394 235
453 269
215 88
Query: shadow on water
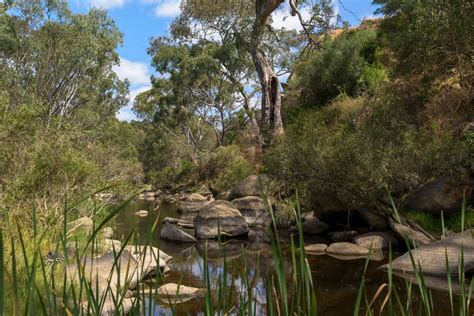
336 281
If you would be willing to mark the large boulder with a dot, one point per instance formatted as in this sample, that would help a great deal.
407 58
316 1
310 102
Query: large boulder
444 194
250 186
431 258
254 210
406 232
172 233
220 215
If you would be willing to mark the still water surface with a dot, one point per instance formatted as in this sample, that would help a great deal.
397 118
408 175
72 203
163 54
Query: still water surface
336 281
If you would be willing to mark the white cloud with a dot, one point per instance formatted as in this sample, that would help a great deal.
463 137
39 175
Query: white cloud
136 72
107 4
168 8
126 113
282 18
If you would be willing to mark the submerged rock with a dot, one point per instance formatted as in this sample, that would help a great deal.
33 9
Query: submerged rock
254 210
431 258
172 233
250 186
220 215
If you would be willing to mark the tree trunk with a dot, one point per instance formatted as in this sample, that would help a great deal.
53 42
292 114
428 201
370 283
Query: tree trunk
270 84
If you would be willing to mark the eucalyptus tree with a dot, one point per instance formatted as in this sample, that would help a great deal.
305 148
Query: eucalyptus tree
246 25
60 60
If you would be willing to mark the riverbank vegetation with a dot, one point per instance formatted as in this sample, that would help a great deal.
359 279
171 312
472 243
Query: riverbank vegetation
343 119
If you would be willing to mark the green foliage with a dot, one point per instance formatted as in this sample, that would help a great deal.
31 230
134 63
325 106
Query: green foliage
357 150
433 223
349 64
433 39
226 167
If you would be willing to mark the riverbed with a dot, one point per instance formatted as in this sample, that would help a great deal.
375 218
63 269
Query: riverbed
336 281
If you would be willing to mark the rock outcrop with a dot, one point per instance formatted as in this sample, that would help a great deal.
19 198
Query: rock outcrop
254 210
431 258
170 232
220 216
250 186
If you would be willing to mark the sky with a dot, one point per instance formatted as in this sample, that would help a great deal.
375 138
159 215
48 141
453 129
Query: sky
140 20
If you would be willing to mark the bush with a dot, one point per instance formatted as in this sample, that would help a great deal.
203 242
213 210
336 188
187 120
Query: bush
348 64
358 150
225 168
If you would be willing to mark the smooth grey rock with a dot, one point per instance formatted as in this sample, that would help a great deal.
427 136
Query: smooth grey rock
171 220
432 257
220 214
250 186
346 249
254 210
370 242
172 233
196 197
315 249
388 237
405 232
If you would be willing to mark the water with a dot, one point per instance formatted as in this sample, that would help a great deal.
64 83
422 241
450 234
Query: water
336 281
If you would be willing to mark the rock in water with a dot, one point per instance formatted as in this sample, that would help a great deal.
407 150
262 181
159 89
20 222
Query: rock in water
432 257
405 232
177 293
388 237
250 186
254 210
220 215
172 233
346 249
142 213
315 249
369 242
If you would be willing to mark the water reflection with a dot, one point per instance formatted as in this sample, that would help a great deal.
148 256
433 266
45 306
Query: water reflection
245 265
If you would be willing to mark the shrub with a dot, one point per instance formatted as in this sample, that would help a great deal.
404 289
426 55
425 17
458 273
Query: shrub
348 64
225 168
358 150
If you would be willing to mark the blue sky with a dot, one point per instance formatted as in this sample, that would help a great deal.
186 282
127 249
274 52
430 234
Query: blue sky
139 20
